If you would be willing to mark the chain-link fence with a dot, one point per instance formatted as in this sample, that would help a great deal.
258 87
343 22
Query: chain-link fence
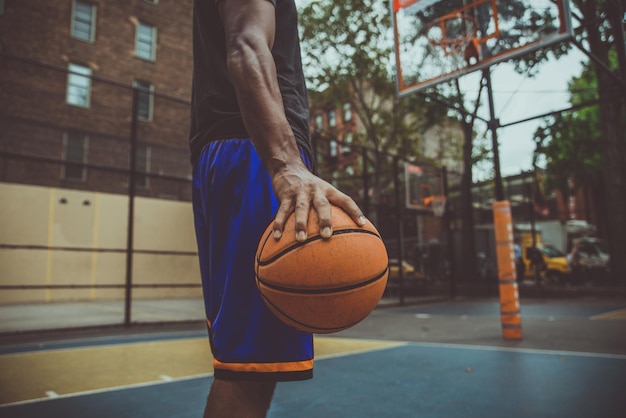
96 220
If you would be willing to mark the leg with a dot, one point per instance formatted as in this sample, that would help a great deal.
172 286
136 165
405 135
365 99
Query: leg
239 399
252 349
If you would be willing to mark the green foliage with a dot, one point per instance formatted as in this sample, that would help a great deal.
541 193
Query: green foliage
570 142
347 50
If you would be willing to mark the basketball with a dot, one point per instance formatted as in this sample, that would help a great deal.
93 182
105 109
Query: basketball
322 285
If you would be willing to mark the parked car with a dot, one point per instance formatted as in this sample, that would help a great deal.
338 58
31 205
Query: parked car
594 257
413 279
408 271
551 262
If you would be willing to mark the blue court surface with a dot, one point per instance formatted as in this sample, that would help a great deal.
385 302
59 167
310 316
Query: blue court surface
413 378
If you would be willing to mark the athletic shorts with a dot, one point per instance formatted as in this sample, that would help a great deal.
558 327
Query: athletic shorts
233 203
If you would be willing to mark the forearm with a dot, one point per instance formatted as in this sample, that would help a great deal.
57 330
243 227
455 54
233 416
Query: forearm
254 77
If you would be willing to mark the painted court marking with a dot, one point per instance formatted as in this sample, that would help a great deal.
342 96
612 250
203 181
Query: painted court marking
349 346
612 315
192 353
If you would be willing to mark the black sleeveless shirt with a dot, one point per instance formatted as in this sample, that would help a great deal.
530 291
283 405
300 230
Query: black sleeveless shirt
215 113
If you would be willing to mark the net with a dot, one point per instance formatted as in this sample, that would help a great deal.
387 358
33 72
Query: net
438 205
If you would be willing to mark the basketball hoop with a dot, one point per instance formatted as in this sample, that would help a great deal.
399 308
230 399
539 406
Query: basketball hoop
453 37
438 205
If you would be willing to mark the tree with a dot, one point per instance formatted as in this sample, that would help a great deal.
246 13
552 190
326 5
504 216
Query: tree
598 131
571 144
604 33
347 54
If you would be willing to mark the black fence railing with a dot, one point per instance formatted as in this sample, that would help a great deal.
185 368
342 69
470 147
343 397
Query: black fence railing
96 200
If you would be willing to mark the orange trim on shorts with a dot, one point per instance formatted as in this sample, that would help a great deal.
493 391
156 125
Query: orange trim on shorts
292 366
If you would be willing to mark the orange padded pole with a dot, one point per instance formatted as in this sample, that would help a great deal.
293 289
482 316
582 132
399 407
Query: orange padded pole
509 295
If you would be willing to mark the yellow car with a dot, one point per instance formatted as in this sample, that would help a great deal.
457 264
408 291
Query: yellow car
394 271
553 263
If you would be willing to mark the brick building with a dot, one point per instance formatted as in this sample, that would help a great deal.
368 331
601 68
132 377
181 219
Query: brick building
68 69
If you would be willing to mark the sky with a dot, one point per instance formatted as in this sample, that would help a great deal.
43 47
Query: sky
517 97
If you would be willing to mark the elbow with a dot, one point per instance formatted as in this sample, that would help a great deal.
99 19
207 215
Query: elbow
244 59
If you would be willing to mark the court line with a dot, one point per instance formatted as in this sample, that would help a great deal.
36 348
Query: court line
197 376
521 350
617 314
111 389
105 341
385 345
392 345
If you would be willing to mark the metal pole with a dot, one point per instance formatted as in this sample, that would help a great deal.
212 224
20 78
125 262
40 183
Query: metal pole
366 185
131 208
400 231
449 238
533 231
493 127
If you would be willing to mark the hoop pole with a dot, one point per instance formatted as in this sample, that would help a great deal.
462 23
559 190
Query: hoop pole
493 127
509 295
399 225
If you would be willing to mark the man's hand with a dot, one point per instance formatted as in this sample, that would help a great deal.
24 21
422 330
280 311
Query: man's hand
297 189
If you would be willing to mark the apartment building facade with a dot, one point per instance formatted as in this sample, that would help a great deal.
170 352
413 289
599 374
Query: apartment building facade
68 73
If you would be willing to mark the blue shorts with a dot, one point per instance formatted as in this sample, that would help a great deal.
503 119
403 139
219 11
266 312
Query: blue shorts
233 203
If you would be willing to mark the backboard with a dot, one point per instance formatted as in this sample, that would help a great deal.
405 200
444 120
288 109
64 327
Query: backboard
422 183
439 40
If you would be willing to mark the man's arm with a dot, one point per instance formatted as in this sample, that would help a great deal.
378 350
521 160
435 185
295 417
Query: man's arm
249 27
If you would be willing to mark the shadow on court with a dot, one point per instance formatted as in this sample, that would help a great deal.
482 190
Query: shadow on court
449 361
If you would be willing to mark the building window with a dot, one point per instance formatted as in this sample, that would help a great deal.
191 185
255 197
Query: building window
347 143
332 148
347 112
78 85
1 7
75 155
152 1
142 166
145 42
84 21
319 123
145 99
332 118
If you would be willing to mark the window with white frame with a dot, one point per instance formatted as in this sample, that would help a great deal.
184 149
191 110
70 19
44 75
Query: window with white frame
145 41
84 21
332 118
332 148
145 99
78 85
142 166
347 143
347 112
319 122
74 155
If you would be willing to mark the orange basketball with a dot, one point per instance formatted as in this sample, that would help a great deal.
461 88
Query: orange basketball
322 285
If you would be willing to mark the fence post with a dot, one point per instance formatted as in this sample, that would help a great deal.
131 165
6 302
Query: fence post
446 221
400 219
131 208
366 184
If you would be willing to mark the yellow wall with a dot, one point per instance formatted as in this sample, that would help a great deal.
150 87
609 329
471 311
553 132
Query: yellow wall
35 216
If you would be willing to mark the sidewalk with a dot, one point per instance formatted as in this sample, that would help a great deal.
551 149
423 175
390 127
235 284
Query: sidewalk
28 318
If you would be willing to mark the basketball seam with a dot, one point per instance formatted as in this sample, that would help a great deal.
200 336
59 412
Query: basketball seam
309 240
323 291
310 327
